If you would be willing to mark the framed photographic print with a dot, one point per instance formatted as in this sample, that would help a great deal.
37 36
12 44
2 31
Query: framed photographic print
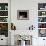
42 32
23 14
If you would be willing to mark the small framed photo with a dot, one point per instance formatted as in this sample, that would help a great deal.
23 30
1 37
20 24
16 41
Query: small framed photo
42 32
23 14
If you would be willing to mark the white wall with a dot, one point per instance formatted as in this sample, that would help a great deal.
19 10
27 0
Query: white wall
32 6
24 5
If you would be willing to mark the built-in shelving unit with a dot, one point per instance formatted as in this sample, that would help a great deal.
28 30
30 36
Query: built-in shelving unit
4 19
42 19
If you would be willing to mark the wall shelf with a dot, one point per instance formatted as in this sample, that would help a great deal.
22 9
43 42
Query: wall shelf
3 16
4 19
42 16
41 22
41 10
3 10
3 22
42 19
41 28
